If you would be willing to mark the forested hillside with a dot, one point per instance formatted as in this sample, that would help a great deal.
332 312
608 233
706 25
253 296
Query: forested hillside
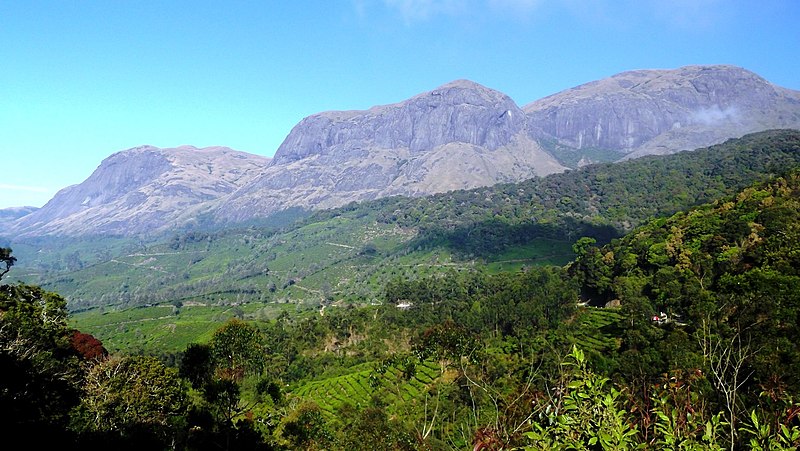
605 199
678 334
348 254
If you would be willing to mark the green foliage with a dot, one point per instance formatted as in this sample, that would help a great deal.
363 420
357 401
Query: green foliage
584 413
157 329
719 266
128 393
470 360
411 237
305 428
237 350
444 342
7 260
774 437
678 418
372 429
41 375
197 365
518 304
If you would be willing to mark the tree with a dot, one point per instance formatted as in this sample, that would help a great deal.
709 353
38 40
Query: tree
237 349
133 395
372 429
6 259
727 360
447 342
41 372
583 412
305 428
89 347
196 365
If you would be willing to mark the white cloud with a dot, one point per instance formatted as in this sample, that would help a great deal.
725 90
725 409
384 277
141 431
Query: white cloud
690 14
413 10
682 14
715 115
515 6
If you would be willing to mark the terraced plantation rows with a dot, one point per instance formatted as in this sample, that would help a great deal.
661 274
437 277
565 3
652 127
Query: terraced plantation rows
597 329
355 388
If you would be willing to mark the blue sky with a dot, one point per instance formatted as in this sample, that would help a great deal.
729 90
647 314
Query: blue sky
80 80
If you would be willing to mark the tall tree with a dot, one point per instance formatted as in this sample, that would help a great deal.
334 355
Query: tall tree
6 259
237 349
41 372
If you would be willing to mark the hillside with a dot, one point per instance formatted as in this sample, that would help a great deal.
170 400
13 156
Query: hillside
705 305
143 190
460 135
347 255
9 215
729 271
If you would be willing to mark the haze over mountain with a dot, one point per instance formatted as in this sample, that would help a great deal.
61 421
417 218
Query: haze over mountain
9 215
460 135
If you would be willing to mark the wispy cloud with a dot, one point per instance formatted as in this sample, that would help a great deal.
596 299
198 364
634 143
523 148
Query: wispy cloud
690 14
683 14
415 10
29 189
515 6
715 115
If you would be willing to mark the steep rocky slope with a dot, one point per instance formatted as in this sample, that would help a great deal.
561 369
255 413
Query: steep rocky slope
143 189
647 112
460 135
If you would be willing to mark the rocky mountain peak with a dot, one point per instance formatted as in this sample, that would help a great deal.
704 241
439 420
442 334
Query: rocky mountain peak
143 189
663 111
460 111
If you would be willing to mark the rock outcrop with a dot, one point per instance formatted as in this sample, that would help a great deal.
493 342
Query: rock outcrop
646 112
460 135
144 189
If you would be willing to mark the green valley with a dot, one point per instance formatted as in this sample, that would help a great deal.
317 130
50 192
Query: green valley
649 304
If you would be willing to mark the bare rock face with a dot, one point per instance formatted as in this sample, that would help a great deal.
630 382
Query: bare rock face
460 135
142 190
664 111
460 111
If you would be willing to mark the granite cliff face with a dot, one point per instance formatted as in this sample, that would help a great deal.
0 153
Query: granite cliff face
460 135
664 111
460 111
142 190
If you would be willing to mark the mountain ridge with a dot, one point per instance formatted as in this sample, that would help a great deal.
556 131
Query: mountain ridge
661 111
142 189
460 135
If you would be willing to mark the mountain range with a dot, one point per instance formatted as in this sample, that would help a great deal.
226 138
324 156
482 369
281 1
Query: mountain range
460 135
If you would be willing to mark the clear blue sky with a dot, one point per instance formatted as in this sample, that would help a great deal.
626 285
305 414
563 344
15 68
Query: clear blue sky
80 80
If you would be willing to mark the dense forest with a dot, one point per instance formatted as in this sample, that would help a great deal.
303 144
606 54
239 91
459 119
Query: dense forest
678 334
